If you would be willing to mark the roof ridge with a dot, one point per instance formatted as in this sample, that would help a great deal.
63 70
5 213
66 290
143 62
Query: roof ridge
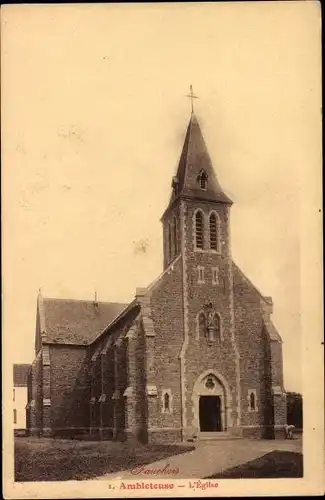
77 322
83 300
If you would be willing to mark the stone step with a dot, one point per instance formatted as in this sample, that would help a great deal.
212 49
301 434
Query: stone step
216 436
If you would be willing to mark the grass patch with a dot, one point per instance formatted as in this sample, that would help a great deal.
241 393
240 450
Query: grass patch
276 464
41 459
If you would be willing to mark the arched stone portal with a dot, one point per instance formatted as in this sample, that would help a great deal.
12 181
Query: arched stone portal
211 403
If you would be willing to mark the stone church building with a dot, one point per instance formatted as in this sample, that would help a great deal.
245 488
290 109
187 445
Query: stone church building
195 352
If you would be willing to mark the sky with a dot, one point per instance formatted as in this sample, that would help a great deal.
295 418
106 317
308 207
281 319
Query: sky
94 114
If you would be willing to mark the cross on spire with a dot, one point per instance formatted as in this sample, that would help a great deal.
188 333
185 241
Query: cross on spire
192 96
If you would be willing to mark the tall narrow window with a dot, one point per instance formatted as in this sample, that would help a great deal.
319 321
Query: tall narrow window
217 326
200 274
202 325
252 400
166 402
215 276
14 395
203 180
169 242
213 224
199 227
15 416
175 236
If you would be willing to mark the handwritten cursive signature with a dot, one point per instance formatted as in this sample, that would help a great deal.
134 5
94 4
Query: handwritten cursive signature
150 471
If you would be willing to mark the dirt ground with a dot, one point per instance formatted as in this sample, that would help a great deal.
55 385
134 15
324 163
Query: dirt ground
43 459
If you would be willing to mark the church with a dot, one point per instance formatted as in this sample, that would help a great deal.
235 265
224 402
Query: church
193 355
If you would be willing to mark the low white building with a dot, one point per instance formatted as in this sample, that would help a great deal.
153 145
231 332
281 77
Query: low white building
20 376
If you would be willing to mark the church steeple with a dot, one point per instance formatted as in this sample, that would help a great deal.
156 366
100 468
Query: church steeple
197 191
195 176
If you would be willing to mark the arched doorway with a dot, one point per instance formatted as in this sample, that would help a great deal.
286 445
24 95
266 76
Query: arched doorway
211 403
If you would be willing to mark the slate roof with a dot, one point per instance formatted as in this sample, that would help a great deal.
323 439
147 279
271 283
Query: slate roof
21 374
242 276
77 321
194 158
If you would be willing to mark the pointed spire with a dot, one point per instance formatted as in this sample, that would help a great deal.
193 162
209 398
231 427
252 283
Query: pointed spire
195 163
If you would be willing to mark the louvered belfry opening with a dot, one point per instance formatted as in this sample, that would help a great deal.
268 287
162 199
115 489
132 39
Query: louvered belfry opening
213 232
199 229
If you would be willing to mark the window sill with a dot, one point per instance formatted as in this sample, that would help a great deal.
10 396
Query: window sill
204 250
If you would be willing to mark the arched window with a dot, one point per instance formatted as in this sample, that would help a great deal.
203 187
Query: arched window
199 229
166 402
175 235
252 400
202 325
214 231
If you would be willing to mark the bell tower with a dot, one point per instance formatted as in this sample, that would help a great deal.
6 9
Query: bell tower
196 226
197 184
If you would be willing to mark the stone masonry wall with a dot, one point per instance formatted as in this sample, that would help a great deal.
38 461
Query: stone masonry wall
138 377
107 362
250 338
167 315
70 389
108 368
279 396
36 406
29 400
218 355
261 362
